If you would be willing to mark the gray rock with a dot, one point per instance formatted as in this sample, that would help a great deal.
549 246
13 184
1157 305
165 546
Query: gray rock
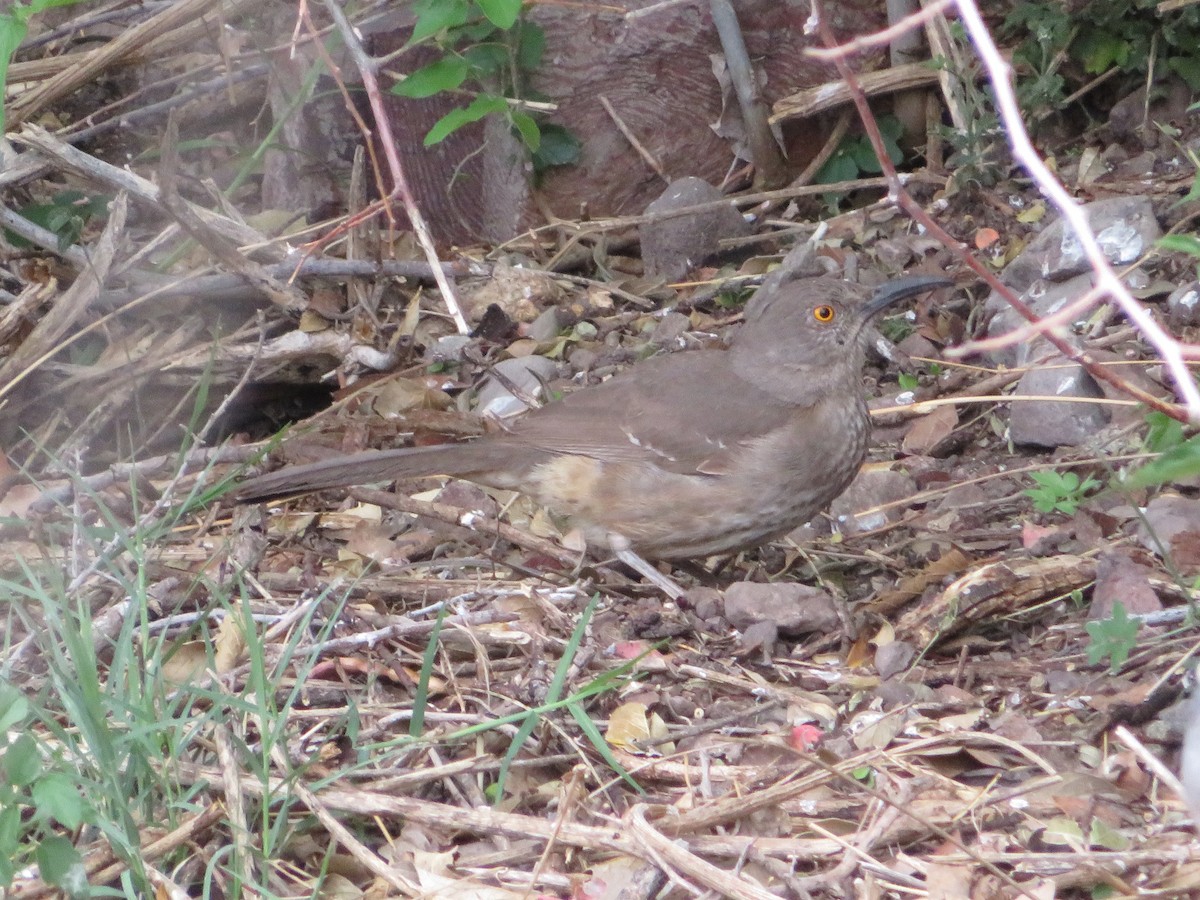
1183 306
549 325
1044 298
670 329
1171 527
1140 166
672 247
1124 226
854 510
793 608
449 348
893 658
1168 103
527 373
1136 372
1051 423
917 344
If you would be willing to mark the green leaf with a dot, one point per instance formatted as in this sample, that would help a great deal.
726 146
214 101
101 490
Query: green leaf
12 32
457 118
1163 432
554 691
865 774
839 167
421 696
532 47
444 74
435 16
14 709
487 58
1182 243
1187 68
56 797
60 864
558 147
471 33
895 154
1063 831
1106 837
10 829
1192 194
1175 465
22 764
891 128
588 727
1100 50
65 215
531 135
1112 638
501 13
864 157
1059 491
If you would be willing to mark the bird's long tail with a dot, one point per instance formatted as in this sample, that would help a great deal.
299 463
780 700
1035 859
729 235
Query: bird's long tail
366 467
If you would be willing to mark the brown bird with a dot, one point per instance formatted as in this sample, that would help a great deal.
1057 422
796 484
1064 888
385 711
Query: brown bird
683 455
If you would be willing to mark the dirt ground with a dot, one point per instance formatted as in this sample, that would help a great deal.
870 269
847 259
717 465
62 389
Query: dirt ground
965 680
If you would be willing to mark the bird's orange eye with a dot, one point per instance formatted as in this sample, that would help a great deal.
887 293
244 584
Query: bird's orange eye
823 313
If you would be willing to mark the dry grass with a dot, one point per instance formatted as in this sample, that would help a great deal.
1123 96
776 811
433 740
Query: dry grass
366 696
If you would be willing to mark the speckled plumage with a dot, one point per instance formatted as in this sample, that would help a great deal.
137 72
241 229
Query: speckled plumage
683 455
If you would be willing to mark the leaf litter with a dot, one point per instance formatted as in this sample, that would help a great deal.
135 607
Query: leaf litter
485 721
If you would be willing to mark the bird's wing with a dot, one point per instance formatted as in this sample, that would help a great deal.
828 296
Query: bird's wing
684 412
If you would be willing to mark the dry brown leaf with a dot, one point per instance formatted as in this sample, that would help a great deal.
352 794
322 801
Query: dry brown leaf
289 523
628 727
930 430
441 883
878 735
326 303
1128 584
372 541
184 663
230 645
860 653
947 882
16 500
339 887
400 395
412 315
985 237
949 563
312 322
622 876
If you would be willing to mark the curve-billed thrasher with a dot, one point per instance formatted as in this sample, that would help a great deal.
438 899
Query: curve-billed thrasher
683 455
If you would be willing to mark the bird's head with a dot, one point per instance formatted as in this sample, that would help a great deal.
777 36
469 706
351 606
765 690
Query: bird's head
808 337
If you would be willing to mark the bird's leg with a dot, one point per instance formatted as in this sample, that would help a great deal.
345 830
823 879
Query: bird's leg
620 548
